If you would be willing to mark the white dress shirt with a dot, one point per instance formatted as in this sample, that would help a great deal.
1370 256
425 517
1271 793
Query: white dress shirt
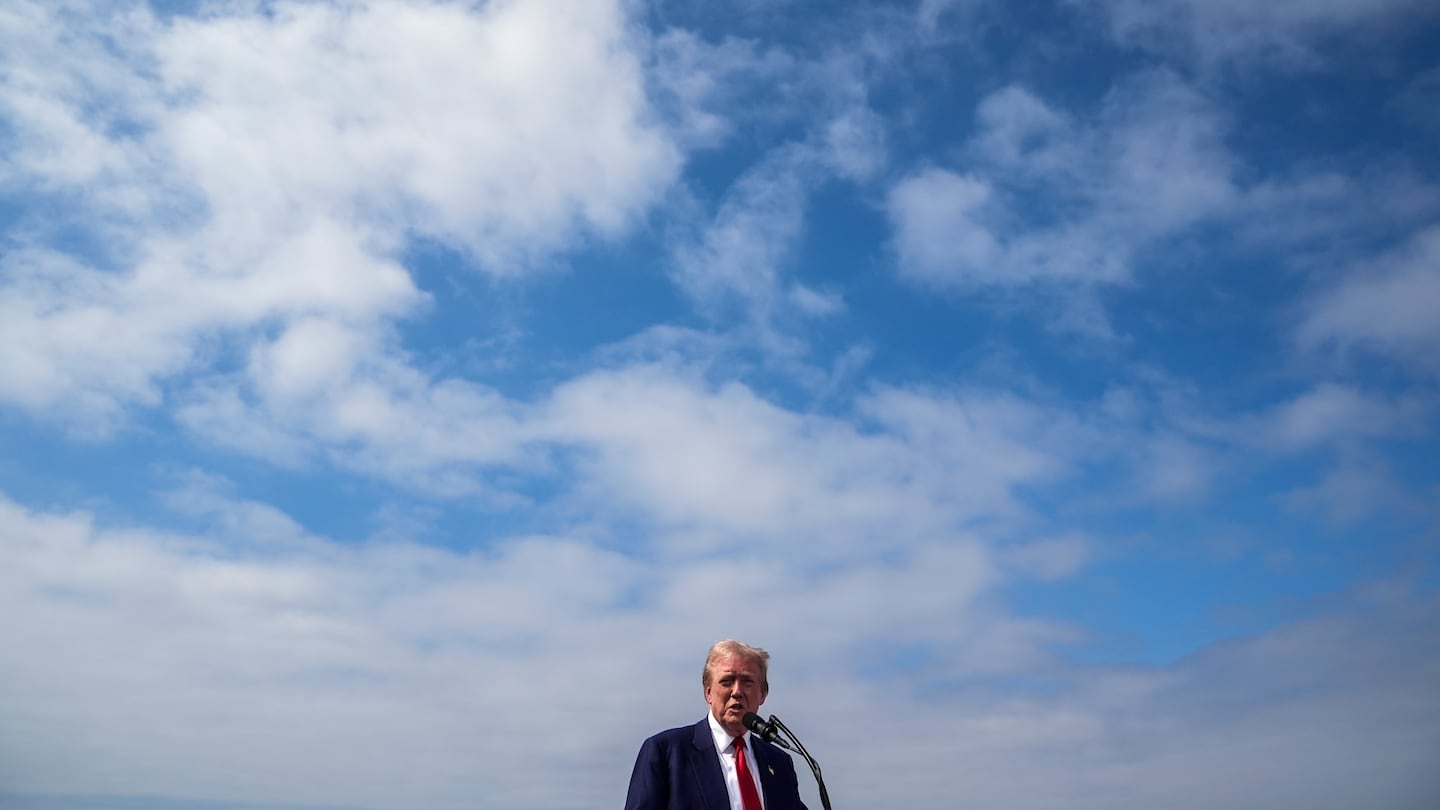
725 747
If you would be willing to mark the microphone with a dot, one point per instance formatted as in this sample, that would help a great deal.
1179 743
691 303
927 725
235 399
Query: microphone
763 730
770 732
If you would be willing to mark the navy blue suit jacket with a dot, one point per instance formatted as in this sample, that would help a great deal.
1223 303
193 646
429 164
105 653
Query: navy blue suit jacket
679 769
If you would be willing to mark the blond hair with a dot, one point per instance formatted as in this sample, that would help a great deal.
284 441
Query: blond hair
730 646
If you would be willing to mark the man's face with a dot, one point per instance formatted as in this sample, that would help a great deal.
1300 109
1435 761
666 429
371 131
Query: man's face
734 689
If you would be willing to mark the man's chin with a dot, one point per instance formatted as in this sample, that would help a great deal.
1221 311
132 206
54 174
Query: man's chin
733 720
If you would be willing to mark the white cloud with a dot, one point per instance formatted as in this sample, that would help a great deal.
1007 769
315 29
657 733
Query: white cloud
376 415
703 86
198 671
1320 416
85 344
739 88
816 303
381 675
735 259
243 524
930 13
738 261
1287 33
437 117
240 170
1250 724
62 114
1179 443
1331 413
1358 486
1384 306
1166 159
854 141
1150 165
735 265
1170 467
938 236
713 465
264 668
1017 128
1316 216
1050 559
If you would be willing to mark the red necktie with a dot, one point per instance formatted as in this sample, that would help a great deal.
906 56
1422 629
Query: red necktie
749 797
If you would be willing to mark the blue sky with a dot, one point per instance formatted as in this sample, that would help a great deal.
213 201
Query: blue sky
398 398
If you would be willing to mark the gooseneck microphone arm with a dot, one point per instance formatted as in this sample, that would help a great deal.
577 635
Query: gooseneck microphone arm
770 731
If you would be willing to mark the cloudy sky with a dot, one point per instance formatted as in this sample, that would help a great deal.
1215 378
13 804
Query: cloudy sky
397 397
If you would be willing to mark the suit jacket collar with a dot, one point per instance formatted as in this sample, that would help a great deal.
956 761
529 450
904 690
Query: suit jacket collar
706 764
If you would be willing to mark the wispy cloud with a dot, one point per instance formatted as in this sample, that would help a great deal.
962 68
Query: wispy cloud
1382 307
1287 34
1152 164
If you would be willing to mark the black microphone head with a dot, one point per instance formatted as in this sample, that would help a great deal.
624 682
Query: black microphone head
765 730
753 722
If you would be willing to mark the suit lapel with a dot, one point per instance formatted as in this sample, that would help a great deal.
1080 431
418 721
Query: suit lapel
765 762
705 762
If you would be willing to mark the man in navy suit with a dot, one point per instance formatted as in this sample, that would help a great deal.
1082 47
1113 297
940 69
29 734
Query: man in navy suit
717 764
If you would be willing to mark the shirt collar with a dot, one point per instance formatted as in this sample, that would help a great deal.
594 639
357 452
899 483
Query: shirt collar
723 738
